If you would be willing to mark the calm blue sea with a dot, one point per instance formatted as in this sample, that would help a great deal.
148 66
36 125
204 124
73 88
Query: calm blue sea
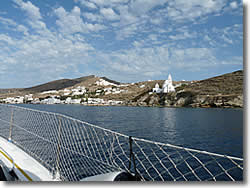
213 130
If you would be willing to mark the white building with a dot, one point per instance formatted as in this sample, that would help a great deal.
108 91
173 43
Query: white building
95 101
49 92
168 85
157 88
19 99
116 92
28 97
66 94
78 93
51 100
79 90
108 92
166 88
36 101
68 100
66 90
76 101
9 100
102 82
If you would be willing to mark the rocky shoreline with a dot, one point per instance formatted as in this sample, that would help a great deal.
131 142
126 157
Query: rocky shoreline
225 91
189 100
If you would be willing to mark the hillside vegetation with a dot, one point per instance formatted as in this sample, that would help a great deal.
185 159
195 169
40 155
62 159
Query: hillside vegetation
227 84
220 91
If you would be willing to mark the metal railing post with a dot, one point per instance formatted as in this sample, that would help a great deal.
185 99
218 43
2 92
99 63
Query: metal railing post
132 157
57 174
130 152
11 125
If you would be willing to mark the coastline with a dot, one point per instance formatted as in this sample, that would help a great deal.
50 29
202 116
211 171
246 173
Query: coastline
152 106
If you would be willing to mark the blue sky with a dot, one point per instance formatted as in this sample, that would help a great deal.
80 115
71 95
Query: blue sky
124 40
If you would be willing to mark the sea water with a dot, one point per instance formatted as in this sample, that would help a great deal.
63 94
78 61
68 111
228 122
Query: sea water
211 129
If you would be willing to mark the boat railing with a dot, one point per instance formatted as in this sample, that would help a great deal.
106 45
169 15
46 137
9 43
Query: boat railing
72 150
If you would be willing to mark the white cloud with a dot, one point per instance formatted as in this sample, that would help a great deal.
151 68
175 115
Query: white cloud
109 14
128 23
32 11
44 54
182 36
3 12
188 10
22 29
63 47
207 38
140 7
234 8
153 37
92 17
210 41
87 4
194 54
34 17
126 32
223 36
94 27
7 22
173 13
226 39
111 3
138 44
140 63
71 22
7 39
126 17
156 21
235 60
130 15
233 5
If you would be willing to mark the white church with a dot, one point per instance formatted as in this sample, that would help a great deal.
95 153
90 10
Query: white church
166 88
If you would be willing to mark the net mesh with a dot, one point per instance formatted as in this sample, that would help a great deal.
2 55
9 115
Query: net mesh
73 149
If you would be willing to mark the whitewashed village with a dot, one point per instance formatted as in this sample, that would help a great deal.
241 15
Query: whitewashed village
95 91
83 95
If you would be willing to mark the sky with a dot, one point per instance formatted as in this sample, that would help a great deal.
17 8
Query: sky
124 40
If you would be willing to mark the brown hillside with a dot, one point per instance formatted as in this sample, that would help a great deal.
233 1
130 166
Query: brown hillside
57 84
227 84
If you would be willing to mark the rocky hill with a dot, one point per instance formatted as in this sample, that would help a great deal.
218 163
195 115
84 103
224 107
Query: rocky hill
220 91
54 85
57 84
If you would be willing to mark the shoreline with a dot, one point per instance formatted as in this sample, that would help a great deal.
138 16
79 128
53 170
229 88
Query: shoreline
154 106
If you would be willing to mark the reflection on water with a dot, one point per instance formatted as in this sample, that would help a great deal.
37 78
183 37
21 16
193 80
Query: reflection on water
214 130
169 122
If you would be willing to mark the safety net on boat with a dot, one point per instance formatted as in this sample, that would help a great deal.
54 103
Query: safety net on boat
72 150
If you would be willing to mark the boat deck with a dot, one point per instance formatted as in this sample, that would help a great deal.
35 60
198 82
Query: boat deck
71 150
25 166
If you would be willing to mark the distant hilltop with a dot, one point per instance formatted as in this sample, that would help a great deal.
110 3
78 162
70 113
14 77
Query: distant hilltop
57 85
65 83
220 91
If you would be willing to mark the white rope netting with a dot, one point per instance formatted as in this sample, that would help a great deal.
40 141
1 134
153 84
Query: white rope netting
75 149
